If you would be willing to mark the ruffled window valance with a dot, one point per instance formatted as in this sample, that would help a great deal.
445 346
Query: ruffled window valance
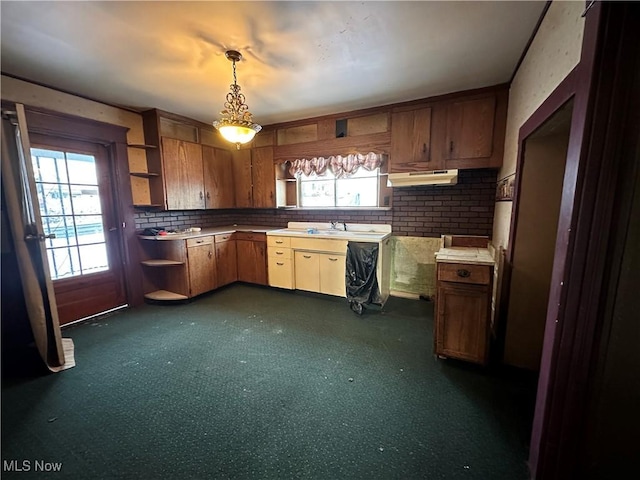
340 166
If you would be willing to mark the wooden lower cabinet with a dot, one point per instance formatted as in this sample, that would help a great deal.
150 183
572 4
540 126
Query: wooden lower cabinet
252 257
202 265
226 264
463 311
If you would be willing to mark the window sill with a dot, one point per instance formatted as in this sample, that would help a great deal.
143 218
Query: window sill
384 209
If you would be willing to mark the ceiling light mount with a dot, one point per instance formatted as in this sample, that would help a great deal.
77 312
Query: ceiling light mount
236 124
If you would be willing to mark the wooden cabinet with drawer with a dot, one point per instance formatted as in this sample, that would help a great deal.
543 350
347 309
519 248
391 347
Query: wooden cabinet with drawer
463 311
252 257
202 265
226 264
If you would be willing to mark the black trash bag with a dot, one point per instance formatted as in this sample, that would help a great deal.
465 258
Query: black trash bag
361 279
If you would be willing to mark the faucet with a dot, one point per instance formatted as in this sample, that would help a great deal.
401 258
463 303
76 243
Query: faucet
334 225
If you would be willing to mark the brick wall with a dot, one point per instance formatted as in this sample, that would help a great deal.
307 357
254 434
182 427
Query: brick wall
425 211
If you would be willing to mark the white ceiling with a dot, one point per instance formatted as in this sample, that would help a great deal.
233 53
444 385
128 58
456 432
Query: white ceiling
301 59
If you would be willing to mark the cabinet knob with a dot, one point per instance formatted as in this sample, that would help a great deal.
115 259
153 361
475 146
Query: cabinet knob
201 196
463 273
210 254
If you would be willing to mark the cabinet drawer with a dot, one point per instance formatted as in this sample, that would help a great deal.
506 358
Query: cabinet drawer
259 237
319 245
194 242
278 241
464 273
280 272
279 252
224 237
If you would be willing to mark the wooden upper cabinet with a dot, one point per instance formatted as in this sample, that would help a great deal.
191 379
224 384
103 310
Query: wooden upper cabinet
411 141
182 170
263 177
218 178
470 126
241 162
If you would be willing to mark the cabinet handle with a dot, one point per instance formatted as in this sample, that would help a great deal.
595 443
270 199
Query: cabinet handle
463 273
210 254
307 256
424 148
333 259
279 241
208 196
279 263
201 196
199 241
279 253
451 146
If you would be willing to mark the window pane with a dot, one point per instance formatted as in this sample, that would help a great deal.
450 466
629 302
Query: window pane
54 199
48 165
94 258
82 169
357 192
63 262
317 193
62 227
85 199
90 229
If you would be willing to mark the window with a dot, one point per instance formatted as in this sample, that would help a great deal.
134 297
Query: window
67 187
357 190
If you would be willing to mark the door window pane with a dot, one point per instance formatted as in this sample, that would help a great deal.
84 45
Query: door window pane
69 199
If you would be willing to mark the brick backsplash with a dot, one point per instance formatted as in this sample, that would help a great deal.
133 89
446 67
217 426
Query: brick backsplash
424 211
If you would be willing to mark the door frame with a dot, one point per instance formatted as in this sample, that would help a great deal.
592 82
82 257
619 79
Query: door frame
582 266
114 139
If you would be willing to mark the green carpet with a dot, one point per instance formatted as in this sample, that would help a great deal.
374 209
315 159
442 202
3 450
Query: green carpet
256 383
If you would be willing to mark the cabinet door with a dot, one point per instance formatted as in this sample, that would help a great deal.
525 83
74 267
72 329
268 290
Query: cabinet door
462 321
411 141
226 262
470 128
218 178
280 272
252 261
307 271
332 274
182 168
241 161
263 177
202 269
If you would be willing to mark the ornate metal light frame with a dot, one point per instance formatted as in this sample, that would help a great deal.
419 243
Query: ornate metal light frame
236 124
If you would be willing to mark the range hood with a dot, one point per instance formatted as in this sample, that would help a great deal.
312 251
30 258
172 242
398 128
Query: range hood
435 177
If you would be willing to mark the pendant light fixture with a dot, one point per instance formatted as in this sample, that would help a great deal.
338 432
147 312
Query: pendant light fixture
236 124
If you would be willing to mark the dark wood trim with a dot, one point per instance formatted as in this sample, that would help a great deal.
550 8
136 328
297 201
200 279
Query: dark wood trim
114 138
560 96
528 45
594 159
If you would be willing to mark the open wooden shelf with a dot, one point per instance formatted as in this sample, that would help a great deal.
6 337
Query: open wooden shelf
165 295
138 145
144 174
147 205
161 263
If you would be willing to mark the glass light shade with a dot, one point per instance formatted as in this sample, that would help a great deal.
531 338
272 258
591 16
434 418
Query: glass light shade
237 134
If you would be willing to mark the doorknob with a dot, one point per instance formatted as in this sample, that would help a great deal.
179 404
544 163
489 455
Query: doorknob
40 237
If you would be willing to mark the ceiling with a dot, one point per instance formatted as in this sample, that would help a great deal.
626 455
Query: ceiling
301 59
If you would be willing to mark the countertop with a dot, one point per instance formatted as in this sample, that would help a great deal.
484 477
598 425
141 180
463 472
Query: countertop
470 255
211 231
354 236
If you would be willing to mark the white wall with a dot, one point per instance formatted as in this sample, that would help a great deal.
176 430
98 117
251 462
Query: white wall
554 52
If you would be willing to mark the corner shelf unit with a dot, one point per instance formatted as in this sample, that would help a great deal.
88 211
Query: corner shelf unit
146 180
164 269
